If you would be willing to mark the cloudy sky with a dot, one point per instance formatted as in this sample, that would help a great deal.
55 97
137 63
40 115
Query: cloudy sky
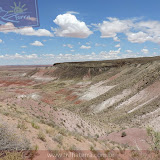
80 30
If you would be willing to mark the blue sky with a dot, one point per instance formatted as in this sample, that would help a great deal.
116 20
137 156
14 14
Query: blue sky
81 30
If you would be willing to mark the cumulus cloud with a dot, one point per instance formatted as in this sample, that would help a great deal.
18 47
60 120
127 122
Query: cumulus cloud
31 56
117 46
110 28
128 51
85 47
68 45
112 52
50 58
150 30
19 56
136 30
1 40
37 43
27 31
72 12
116 39
145 51
138 37
31 32
70 26
99 44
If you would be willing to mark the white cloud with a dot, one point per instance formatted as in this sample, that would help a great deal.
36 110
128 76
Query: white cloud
117 46
116 39
54 58
72 12
110 28
37 43
31 56
19 56
112 52
68 45
128 51
138 37
1 40
98 45
70 26
85 47
31 32
136 30
145 51
28 31
150 29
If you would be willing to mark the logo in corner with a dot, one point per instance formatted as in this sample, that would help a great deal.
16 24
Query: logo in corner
21 13
18 8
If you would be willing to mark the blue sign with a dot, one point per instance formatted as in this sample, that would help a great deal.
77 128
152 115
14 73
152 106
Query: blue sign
21 13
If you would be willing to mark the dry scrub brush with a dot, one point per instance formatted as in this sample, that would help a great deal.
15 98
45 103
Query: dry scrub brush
10 140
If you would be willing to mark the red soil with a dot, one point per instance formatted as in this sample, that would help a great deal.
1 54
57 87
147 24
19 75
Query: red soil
114 77
135 137
78 102
7 83
71 97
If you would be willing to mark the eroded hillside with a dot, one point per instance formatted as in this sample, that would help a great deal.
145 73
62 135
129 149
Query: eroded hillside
83 105
121 92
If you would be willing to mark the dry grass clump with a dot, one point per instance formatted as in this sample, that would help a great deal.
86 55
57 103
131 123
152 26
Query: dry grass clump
12 156
155 139
42 136
59 139
22 125
34 125
10 140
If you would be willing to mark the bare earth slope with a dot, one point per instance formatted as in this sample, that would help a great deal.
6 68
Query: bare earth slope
120 92
88 103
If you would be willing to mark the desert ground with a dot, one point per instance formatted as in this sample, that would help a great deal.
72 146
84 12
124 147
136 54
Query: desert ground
93 107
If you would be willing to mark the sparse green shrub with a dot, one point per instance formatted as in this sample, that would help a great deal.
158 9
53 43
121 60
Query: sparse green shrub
73 148
51 124
34 125
123 134
22 125
50 131
6 113
155 139
33 152
58 139
91 148
63 132
135 154
78 138
41 136
97 136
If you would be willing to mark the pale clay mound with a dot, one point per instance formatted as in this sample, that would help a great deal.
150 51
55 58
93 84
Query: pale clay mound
39 78
111 101
95 91
142 98
155 123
